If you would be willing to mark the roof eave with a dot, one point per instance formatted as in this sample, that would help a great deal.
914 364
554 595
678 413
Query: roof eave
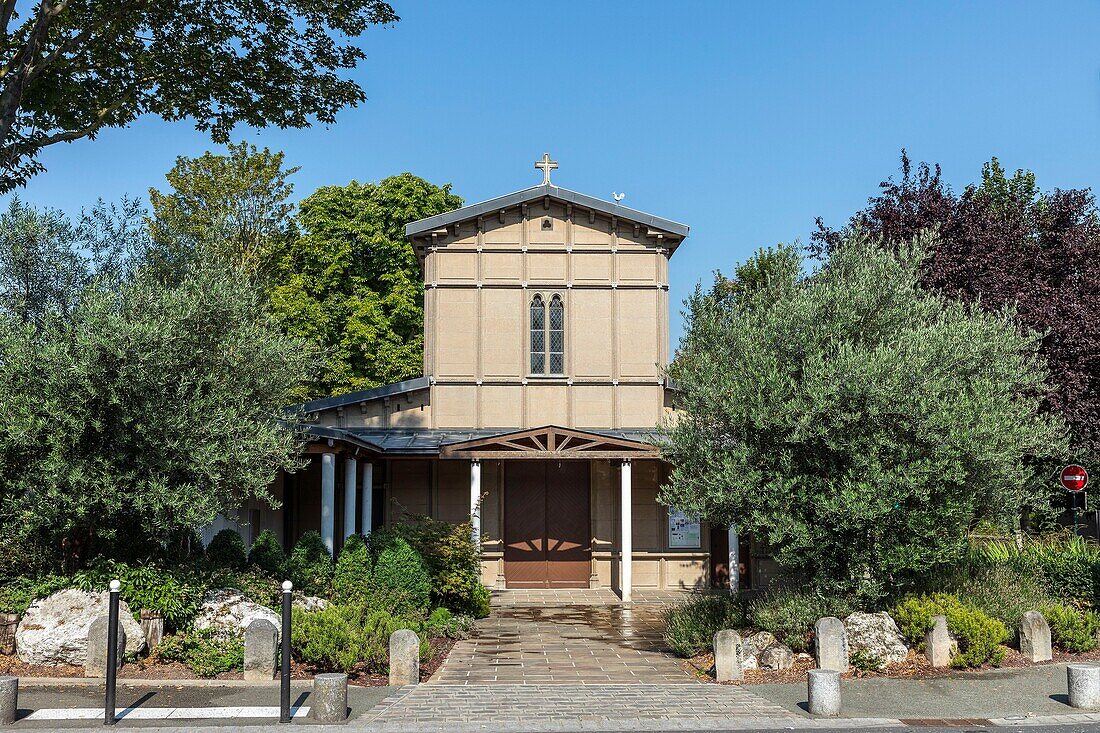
425 226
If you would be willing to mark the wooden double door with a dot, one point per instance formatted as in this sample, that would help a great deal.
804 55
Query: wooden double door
547 532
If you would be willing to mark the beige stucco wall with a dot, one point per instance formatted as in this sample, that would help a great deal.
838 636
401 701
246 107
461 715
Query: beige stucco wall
480 277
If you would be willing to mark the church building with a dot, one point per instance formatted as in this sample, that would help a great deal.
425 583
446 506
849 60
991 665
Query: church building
546 318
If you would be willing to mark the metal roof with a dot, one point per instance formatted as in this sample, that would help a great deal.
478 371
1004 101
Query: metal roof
541 191
353 398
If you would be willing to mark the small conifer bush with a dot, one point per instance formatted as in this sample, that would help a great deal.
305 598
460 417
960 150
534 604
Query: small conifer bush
352 578
310 565
267 554
226 550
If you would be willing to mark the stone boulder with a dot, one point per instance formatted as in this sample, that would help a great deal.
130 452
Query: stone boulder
54 630
309 603
875 634
228 613
777 658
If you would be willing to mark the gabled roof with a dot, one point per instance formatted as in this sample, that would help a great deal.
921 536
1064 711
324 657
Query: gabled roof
534 193
354 398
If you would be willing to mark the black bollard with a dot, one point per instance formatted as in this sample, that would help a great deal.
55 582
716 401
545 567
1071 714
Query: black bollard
112 654
284 668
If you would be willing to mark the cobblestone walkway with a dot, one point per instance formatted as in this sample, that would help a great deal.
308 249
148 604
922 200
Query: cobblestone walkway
526 643
517 707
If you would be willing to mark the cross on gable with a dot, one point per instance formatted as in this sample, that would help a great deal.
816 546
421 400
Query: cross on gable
546 165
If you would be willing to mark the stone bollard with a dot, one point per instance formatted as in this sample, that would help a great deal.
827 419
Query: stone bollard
831 644
823 692
329 701
152 627
404 658
1035 637
938 645
261 645
96 662
9 699
727 656
1084 686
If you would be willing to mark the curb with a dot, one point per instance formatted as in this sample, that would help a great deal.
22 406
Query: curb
38 682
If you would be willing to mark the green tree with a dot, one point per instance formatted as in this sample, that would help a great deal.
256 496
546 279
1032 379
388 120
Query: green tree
235 207
73 68
351 282
145 414
856 424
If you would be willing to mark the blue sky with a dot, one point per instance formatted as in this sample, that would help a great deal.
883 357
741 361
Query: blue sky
744 120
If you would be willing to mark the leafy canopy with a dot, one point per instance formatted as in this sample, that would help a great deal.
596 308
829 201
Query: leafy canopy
854 422
231 207
74 67
144 414
1002 243
351 282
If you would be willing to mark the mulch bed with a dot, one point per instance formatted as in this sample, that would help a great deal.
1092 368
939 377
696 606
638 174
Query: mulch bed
914 666
146 669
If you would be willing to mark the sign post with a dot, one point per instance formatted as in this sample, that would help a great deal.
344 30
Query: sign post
1074 479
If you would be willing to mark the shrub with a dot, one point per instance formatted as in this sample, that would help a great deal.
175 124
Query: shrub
343 638
453 561
351 579
690 626
400 573
1072 629
865 661
310 565
205 653
253 583
18 593
790 615
1003 591
1068 565
226 550
443 623
979 636
174 593
267 554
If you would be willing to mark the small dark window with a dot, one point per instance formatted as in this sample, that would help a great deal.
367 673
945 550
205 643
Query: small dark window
547 224
538 335
556 333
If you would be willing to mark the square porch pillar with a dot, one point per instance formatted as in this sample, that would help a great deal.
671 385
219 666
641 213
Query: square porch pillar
328 499
627 541
351 476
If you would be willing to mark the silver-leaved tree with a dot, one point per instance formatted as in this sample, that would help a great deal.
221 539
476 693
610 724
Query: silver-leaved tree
857 425
138 412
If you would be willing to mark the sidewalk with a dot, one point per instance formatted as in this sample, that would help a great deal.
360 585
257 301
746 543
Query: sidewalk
1015 698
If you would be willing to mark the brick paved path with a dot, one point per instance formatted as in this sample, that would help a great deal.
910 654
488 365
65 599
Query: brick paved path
525 642
520 707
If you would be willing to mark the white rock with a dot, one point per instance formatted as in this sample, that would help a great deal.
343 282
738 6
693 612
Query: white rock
758 642
229 613
777 657
309 603
54 630
875 634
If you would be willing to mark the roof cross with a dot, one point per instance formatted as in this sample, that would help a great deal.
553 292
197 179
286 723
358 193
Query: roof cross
546 165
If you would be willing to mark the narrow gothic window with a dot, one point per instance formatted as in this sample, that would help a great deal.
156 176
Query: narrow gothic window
538 336
556 333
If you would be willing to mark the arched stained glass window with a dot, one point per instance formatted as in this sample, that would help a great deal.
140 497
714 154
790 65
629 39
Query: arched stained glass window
555 332
538 335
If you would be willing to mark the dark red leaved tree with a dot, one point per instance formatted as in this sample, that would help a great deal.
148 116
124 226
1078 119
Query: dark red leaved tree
1003 242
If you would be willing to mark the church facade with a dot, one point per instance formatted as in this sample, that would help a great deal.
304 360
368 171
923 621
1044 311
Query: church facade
546 331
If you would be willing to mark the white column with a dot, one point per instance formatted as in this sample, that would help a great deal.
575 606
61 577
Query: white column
368 497
734 560
328 498
627 541
475 500
351 476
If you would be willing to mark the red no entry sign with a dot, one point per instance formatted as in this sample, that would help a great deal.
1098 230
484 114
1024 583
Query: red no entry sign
1075 478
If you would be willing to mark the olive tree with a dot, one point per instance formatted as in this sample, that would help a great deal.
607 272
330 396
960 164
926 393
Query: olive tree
856 424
